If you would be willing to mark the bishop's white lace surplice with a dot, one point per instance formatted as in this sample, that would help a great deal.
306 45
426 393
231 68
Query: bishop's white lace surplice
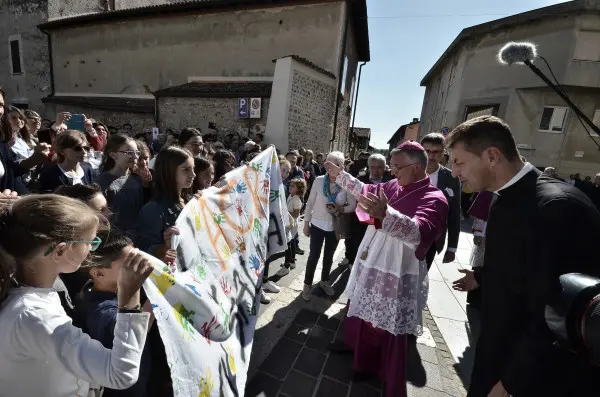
389 287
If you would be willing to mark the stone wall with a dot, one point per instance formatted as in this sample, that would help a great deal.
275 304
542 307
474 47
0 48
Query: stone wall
114 120
310 117
19 19
69 8
179 113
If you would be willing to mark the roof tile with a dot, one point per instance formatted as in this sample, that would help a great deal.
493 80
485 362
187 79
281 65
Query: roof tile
130 105
223 89
362 132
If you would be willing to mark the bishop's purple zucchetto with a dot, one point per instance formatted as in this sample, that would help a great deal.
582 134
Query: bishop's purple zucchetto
411 146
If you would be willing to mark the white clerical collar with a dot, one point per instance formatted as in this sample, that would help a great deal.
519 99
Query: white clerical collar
526 168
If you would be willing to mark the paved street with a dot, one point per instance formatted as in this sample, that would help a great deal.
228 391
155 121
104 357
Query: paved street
449 307
290 356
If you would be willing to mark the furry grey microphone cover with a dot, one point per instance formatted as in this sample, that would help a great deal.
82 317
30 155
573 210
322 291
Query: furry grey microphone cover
517 53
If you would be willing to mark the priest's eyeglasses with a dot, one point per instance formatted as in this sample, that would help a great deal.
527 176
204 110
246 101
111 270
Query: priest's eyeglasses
396 168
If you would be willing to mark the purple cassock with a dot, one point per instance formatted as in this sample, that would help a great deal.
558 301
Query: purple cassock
388 292
481 206
421 201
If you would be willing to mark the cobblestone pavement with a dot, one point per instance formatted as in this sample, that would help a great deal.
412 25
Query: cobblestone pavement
290 356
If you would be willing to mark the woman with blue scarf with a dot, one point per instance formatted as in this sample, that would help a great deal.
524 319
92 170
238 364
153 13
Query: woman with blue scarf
325 202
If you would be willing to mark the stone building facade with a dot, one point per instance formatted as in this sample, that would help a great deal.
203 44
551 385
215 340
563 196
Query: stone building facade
359 140
178 113
24 71
302 106
468 81
121 115
217 103
311 108
127 50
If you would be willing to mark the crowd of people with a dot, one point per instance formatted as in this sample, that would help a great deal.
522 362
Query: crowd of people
78 208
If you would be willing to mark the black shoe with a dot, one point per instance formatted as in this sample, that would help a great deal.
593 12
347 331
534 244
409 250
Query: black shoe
299 251
361 376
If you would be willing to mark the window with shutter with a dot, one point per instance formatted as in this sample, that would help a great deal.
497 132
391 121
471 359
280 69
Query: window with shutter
554 119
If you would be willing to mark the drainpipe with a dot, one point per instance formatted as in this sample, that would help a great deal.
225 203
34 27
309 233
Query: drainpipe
340 71
356 95
51 63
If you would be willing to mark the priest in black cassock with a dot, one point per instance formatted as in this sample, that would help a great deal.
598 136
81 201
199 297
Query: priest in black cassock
538 229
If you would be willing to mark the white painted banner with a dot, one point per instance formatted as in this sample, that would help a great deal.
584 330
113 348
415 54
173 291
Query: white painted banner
206 309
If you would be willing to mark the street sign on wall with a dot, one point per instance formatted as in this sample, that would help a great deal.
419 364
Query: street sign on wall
255 105
242 111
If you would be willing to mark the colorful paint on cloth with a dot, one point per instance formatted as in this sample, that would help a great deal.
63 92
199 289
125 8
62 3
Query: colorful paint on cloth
206 309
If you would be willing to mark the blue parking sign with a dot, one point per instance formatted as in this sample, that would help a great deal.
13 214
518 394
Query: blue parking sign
243 108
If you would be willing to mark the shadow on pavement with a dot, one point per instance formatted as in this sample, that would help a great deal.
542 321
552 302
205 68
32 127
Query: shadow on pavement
415 371
301 365
281 273
300 361
464 367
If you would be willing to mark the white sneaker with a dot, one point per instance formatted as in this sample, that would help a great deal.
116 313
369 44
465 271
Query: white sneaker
270 286
306 292
327 288
344 263
264 298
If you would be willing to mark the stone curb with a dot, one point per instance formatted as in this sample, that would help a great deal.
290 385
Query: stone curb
453 384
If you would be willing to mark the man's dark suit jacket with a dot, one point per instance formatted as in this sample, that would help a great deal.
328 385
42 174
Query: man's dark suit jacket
12 171
538 229
452 229
358 228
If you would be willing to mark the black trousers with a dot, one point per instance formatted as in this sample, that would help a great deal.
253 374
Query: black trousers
290 253
357 233
317 238
430 256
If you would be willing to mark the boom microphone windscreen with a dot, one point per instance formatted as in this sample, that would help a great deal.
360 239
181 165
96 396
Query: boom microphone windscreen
517 53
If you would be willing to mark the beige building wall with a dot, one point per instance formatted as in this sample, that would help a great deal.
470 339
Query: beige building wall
130 57
555 149
472 76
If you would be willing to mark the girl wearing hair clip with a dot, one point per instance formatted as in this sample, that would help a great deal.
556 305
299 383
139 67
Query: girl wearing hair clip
37 335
